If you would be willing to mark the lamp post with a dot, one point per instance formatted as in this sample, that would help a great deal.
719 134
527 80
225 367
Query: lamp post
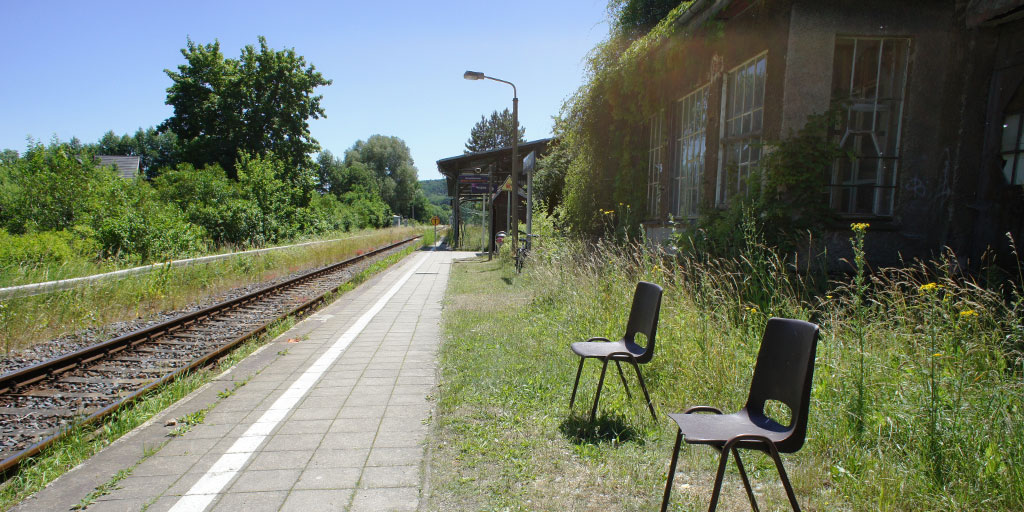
514 228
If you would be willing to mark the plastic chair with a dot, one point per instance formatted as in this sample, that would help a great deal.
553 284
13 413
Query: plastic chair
785 365
643 319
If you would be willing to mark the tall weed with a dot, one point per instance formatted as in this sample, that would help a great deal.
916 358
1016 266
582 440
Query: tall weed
918 389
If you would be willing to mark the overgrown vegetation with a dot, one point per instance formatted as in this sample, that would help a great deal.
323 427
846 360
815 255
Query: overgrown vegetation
603 133
232 167
27 320
917 412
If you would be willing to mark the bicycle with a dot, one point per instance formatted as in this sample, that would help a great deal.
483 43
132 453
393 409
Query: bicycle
523 251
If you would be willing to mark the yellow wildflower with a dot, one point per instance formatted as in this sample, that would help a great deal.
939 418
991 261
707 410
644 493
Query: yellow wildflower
929 287
967 313
860 226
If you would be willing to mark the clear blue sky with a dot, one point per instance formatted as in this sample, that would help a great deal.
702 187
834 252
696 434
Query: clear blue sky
79 69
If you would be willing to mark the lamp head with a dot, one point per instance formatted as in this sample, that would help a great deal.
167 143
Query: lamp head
473 75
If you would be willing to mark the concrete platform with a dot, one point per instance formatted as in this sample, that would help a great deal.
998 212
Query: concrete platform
335 421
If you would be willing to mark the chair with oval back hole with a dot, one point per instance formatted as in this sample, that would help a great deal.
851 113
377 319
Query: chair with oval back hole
783 371
643 319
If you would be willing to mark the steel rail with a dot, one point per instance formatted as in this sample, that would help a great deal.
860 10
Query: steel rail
18 379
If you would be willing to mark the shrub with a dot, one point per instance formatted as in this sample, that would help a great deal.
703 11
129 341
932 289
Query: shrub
137 226
49 247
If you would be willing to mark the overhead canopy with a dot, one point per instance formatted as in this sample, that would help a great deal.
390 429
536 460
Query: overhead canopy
471 166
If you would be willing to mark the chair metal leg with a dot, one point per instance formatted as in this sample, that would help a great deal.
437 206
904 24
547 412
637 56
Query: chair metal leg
718 478
746 481
572 399
640 377
671 472
785 479
597 396
623 377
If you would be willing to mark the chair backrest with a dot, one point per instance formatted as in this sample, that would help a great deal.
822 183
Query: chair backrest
643 316
783 372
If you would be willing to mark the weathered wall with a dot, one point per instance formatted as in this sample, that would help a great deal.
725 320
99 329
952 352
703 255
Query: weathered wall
947 193
931 141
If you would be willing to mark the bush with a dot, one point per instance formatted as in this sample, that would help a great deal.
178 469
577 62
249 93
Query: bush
52 188
50 247
137 226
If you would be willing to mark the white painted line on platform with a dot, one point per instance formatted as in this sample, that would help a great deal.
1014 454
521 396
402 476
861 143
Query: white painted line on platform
224 470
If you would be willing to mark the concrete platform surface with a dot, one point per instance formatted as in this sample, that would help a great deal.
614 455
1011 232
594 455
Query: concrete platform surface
331 415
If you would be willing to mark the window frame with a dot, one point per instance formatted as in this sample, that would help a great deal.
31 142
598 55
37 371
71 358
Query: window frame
753 137
690 152
883 200
655 161
1016 153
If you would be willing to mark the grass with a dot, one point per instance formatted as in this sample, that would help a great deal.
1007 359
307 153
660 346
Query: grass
934 426
85 441
472 238
29 320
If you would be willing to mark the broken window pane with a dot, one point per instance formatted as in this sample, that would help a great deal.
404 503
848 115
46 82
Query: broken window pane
869 78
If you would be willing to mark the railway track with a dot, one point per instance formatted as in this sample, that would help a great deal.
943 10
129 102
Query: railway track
40 403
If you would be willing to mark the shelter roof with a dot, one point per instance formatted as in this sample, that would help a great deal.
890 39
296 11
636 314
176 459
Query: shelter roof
495 162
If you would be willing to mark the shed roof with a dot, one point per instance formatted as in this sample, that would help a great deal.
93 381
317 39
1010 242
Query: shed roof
498 161
126 166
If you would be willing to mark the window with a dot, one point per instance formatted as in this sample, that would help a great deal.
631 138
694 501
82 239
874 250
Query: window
693 120
741 131
870 76
655 154
1011 149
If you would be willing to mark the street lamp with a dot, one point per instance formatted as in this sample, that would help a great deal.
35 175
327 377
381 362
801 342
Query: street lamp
514 228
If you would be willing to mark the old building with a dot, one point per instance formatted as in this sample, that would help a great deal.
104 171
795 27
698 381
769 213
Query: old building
126 167
932 96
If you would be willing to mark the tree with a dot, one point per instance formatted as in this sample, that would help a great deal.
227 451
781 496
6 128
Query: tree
257 104
493 133
636 17
391 163
549 179
328 172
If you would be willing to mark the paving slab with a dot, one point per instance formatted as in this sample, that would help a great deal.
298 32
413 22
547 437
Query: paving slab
337 421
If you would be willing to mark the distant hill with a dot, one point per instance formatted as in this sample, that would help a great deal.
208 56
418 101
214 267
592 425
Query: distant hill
437 193
434 187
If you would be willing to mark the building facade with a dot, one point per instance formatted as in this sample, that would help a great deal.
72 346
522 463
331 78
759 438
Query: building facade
931 100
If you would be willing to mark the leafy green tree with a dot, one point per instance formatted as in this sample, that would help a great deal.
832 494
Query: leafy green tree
635 17
391 163
493 133
357 178
549 180
256 104
328 171
51 188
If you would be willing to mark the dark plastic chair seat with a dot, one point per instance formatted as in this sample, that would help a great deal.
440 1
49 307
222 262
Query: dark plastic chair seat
614 350
643 319
713 429
783 372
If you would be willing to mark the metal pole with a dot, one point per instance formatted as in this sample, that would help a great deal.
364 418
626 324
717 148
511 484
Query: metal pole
529 206
490 214
457 213
515 168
